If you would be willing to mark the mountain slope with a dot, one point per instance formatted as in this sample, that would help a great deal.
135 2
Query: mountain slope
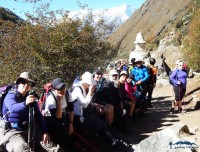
7 15
152 18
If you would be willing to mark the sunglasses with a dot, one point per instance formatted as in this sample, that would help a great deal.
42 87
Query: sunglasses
26 82
99 73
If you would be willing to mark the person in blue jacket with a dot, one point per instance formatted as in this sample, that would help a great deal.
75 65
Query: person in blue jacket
179 80
16 109
140 77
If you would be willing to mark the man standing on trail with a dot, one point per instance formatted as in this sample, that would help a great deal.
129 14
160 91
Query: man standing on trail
141 76
152 80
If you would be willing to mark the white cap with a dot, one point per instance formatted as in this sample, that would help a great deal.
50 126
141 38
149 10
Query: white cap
139 38
88 78
113 72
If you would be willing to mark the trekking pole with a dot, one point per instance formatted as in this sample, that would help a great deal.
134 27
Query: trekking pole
31 127
95 149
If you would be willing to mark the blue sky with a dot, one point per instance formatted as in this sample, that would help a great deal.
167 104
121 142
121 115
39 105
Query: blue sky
19 6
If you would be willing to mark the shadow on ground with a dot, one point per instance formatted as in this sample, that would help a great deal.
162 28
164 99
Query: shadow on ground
156 118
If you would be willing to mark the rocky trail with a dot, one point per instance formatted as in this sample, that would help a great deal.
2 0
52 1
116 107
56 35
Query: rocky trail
159 117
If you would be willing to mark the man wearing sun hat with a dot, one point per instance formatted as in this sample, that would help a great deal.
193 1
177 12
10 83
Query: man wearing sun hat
26 76
16 109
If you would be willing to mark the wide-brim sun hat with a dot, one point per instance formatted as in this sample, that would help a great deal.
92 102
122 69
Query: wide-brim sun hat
87 77
26 76
58 83
139 38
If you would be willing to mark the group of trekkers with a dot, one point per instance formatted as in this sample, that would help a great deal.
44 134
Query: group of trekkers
95 104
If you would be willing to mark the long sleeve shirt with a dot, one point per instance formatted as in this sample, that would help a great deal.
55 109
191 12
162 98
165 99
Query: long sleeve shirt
179 75
82 100
19 112
130 89
140 73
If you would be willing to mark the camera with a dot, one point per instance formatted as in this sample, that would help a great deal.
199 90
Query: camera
32 92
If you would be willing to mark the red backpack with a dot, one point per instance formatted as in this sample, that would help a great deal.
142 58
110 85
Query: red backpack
47 88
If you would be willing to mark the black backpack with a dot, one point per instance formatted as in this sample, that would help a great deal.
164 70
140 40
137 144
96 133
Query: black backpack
3 92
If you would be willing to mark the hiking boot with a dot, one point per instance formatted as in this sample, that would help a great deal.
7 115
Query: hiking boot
172 110
121 146
184 111
179 110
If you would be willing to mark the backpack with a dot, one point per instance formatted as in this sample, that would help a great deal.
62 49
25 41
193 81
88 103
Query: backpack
151 72
170 81
73 87
47 90
3 92
151 75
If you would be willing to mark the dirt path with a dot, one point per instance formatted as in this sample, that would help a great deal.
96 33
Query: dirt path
159 117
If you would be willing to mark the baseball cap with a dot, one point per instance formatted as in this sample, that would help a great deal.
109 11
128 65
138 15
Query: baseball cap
58 83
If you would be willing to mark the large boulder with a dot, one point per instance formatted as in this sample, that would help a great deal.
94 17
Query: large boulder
172 139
